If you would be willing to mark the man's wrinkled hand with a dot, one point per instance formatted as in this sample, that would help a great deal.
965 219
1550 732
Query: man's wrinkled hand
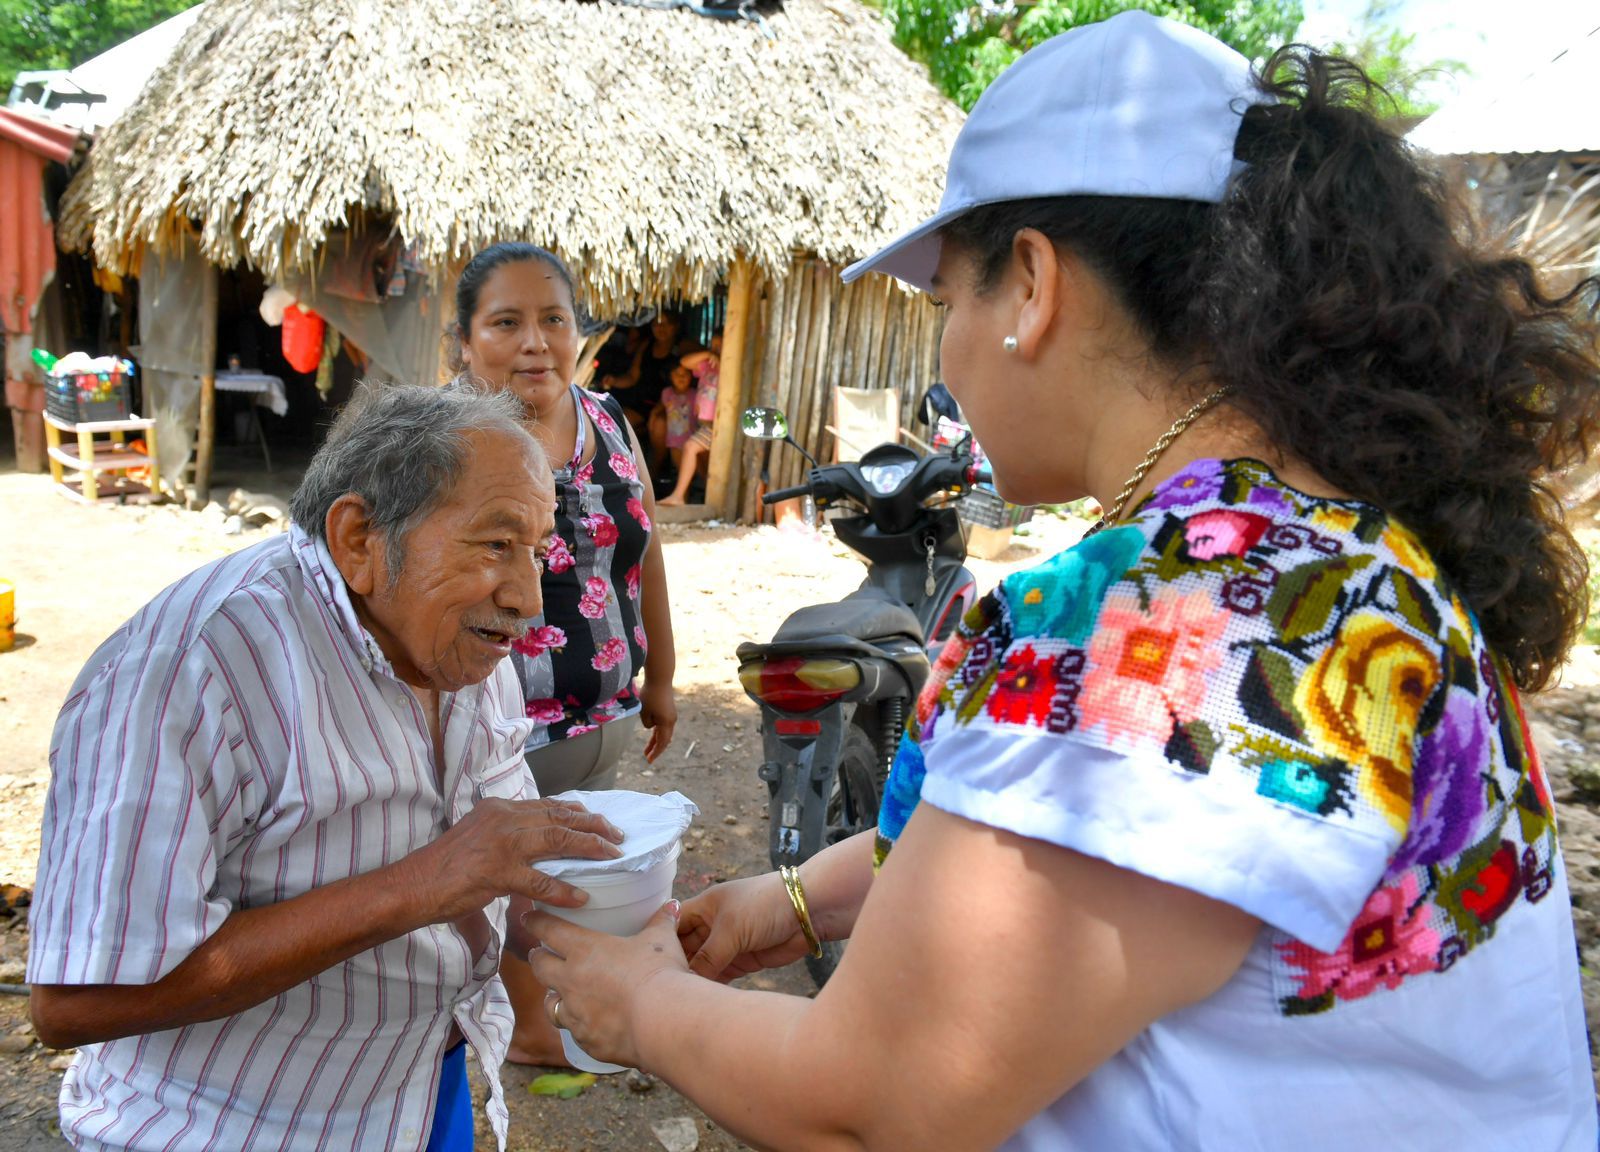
491 851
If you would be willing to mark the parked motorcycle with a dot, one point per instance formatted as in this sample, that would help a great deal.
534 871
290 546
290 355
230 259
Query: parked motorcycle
837 681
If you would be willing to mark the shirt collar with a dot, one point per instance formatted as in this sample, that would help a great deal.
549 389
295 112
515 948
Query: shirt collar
317 563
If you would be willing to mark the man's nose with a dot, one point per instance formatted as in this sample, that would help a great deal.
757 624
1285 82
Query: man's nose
521 592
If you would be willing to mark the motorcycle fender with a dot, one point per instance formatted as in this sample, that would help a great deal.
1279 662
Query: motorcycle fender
798 780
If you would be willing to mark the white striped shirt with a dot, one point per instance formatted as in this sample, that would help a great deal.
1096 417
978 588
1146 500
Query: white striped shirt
240 741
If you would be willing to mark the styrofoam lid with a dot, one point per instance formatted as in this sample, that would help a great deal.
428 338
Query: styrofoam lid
651 828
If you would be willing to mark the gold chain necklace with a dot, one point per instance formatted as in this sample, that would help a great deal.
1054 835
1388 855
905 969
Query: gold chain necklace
1179 426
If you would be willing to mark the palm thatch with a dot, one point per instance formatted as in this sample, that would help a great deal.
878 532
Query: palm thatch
650 147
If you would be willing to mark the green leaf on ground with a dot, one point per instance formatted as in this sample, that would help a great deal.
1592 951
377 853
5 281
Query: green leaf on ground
563 1085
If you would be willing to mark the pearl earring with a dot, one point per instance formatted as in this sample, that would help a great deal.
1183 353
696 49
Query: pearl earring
1009 343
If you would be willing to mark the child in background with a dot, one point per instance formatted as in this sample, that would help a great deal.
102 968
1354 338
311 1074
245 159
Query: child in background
677 404
706 368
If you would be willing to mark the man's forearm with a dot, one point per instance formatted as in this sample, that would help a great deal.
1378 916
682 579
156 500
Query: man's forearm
256 954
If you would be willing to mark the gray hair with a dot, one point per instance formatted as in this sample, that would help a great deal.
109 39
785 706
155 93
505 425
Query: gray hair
401 448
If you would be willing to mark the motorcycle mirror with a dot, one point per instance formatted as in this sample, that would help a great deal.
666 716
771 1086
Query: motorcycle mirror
764 424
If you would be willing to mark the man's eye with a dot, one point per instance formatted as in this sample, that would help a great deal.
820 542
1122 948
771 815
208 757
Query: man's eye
499 547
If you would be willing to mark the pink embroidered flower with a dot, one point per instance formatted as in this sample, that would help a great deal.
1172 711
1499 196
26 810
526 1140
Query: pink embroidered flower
540 640
624 466
592 604
640 638
545 711
613 652
1148 670
558 558
603 528
1223 532
1389 941
580 729
636 510
632 580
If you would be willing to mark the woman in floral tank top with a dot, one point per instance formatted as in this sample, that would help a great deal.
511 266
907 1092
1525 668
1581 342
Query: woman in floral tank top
1222 829
605 616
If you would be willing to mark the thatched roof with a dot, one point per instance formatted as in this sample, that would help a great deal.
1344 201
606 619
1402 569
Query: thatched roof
649 146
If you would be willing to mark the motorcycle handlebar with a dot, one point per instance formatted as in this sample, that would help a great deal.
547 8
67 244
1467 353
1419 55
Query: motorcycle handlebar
785 494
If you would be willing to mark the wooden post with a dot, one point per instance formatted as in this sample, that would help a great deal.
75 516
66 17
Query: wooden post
208 388
721 487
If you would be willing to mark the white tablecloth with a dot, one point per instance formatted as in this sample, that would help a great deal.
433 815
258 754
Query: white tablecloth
268 389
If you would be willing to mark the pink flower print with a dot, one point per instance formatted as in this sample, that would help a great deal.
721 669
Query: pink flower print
598 414
558 558
640 638
633 582
1223 532
1148 670
603 528
545 711
636 510
613 652
1389 941
584 476
540 640
580 729
592 604
624 466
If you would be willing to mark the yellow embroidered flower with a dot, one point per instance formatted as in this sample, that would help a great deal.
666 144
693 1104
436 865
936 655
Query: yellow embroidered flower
1034 596
1334 519
1408 550
1361 700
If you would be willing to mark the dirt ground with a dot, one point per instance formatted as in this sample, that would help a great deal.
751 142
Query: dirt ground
80 571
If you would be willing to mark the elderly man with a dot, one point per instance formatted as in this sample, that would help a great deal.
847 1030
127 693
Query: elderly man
289 803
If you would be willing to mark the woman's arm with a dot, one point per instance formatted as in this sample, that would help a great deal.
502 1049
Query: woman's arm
987 975
658 707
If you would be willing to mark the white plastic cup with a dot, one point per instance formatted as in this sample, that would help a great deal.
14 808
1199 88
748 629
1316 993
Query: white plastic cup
620 904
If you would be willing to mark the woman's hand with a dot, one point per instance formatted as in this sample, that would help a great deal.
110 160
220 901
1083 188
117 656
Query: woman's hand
740 927
596 977
658 711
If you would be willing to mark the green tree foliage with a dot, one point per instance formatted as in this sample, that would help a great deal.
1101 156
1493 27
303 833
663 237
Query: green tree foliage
967 43
1385 53
37 34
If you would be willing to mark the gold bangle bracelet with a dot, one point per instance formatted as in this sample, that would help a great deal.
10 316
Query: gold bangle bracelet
797 897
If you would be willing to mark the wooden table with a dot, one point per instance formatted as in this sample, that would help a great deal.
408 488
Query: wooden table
88 457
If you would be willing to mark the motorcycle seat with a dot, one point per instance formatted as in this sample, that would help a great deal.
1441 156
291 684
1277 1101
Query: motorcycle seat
865 615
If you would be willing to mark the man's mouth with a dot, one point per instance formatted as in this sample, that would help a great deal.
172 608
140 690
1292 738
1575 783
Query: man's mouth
496 637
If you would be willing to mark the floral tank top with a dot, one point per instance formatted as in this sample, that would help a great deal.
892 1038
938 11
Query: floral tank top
1280 702
578 663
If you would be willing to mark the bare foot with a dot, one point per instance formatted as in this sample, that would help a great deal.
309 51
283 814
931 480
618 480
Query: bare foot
672 501
544 1056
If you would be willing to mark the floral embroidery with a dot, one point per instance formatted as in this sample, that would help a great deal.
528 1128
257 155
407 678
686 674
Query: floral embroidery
613 652
1224 532
1023 690
1389 941
1408 550
596 595
1197 483
1360 702
558 557
1450 796
636 510
1061 597
602 528
1151 666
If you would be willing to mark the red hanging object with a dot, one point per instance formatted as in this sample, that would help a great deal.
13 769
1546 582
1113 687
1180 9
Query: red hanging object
302 338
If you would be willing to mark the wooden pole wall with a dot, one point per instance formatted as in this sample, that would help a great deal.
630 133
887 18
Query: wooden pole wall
207 437
720 477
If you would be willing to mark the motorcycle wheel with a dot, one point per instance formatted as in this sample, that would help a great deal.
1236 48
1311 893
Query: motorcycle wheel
852 808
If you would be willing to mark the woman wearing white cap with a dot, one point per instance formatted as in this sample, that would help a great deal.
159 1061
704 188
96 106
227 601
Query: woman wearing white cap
1222 829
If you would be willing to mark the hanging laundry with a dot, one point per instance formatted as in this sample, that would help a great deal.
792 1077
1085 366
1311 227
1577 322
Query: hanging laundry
302 338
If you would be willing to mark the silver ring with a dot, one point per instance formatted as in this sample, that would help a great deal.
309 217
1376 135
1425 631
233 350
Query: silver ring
555 1012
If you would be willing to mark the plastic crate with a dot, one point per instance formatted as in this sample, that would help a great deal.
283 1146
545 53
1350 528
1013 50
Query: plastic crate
986 509
82 398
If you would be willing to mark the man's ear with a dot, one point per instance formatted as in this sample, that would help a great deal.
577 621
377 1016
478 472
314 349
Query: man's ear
1041 279
354 545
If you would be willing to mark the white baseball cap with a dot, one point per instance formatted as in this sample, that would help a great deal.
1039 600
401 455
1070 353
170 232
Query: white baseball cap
1132 106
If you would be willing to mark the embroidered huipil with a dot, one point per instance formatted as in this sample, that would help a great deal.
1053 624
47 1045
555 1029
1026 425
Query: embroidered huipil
579 663
240 741
1279 702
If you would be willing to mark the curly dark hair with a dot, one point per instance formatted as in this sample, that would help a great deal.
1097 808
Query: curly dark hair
1342 293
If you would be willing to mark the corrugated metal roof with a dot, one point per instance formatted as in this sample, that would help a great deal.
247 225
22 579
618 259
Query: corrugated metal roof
42 138
1555 108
